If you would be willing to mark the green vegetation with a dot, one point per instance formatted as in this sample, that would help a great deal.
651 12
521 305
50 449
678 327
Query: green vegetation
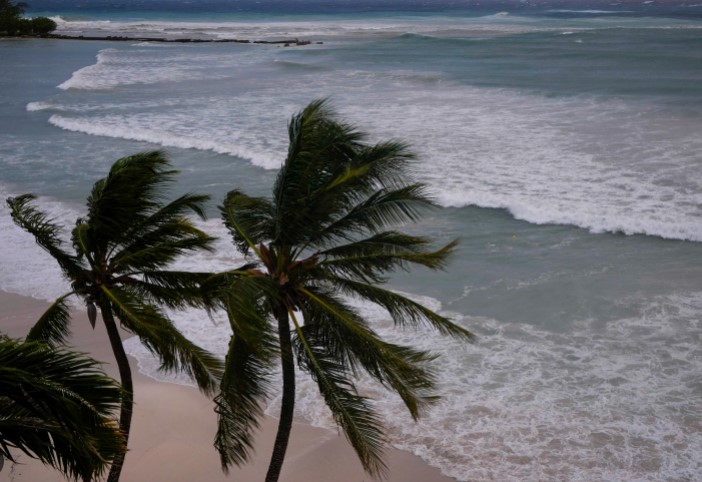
41 25
120 249
324 235
57 406
12 23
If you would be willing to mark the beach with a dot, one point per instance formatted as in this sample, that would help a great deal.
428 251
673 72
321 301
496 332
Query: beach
173 428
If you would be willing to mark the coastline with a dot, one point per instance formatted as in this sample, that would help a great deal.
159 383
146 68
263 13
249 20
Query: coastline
174 426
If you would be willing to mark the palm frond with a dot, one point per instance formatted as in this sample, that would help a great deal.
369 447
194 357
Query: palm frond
57 406
246 301
161 247
404 311
320 149
238 406
174 289
215 284
163 235
388 164
178 208
163 339
328 169
376 212
369 259
81 239
52 327
316 133
129 194
252 352
339 330
369 169
361 425
45 232
248 220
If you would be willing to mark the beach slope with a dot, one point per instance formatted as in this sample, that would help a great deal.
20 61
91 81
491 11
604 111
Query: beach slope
174 426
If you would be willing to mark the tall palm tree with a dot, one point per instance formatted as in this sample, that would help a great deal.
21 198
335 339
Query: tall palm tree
325 235
57 406
121 249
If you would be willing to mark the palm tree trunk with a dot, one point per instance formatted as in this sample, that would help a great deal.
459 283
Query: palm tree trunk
125 375
287 408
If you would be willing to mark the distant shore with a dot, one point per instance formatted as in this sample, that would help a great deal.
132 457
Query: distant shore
119 38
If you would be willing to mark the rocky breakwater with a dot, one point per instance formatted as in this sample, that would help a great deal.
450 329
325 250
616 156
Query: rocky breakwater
112 38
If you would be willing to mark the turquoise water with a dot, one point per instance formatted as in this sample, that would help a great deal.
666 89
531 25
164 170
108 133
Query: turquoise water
564 149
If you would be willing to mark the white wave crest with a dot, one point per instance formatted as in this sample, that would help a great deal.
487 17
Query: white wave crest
84 78
610 168
38 106
589 11
114 127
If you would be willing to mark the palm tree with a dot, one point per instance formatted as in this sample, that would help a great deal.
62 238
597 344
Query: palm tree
120 251
57 406
325 235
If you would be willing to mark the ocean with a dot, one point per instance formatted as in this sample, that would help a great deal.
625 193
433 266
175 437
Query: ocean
563 142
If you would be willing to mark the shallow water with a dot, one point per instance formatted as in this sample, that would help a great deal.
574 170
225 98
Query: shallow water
563 148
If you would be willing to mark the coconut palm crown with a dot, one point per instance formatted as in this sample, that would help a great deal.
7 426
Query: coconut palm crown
57 406
121 251
325 236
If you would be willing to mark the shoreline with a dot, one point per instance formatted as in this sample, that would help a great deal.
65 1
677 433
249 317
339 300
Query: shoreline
174 426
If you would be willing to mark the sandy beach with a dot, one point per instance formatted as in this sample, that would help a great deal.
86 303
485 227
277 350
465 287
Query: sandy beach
174 426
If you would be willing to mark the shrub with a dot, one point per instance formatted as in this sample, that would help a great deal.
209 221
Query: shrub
41 25
12 23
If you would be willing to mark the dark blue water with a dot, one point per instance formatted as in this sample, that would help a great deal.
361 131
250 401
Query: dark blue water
556 9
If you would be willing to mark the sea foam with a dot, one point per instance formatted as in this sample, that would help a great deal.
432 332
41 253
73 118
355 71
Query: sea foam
486 147
38 106
529 404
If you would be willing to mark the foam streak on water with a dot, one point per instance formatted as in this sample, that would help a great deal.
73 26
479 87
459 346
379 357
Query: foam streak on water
613 166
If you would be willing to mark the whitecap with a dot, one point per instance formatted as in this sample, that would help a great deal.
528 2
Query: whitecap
38 106
590 11
610 169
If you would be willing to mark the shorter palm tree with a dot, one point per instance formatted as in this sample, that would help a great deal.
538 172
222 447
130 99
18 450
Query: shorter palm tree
58 406
121 253
324 236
